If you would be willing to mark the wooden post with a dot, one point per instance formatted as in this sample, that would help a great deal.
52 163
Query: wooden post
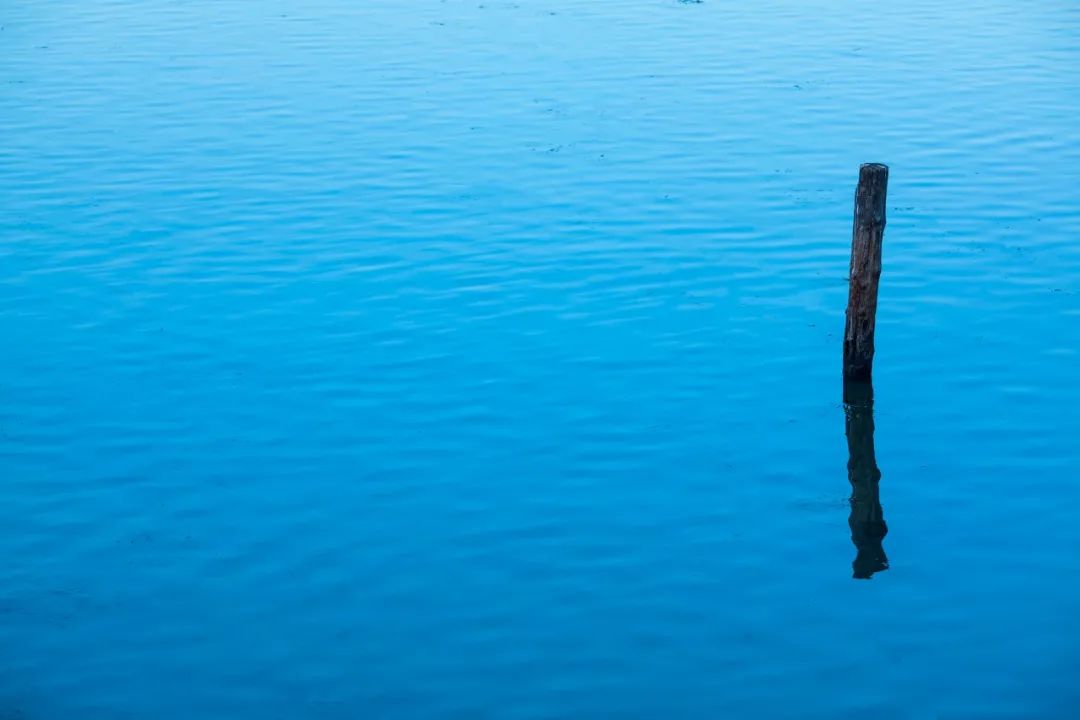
865 271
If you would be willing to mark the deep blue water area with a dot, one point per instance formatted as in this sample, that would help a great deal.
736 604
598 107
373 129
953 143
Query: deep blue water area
481 360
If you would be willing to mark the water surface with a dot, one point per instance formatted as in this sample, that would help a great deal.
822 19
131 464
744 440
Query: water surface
481 360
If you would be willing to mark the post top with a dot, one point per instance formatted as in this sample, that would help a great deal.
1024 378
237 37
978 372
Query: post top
874 167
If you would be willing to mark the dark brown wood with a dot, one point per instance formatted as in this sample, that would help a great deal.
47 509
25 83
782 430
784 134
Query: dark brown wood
867 519
865 271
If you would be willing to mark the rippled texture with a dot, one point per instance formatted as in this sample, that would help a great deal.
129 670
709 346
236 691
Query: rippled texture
481 359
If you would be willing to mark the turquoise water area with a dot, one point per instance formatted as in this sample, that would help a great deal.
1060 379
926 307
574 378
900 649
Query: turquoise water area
481 360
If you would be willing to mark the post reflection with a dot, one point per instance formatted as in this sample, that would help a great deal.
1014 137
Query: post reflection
867 521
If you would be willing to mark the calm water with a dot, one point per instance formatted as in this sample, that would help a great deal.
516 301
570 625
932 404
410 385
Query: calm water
481 360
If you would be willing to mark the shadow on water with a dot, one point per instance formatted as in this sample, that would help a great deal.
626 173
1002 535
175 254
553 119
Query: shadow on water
867 521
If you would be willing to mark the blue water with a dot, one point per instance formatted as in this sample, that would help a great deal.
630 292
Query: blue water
481 360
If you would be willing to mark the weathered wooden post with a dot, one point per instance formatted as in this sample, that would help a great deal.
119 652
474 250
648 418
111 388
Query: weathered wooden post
865 271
